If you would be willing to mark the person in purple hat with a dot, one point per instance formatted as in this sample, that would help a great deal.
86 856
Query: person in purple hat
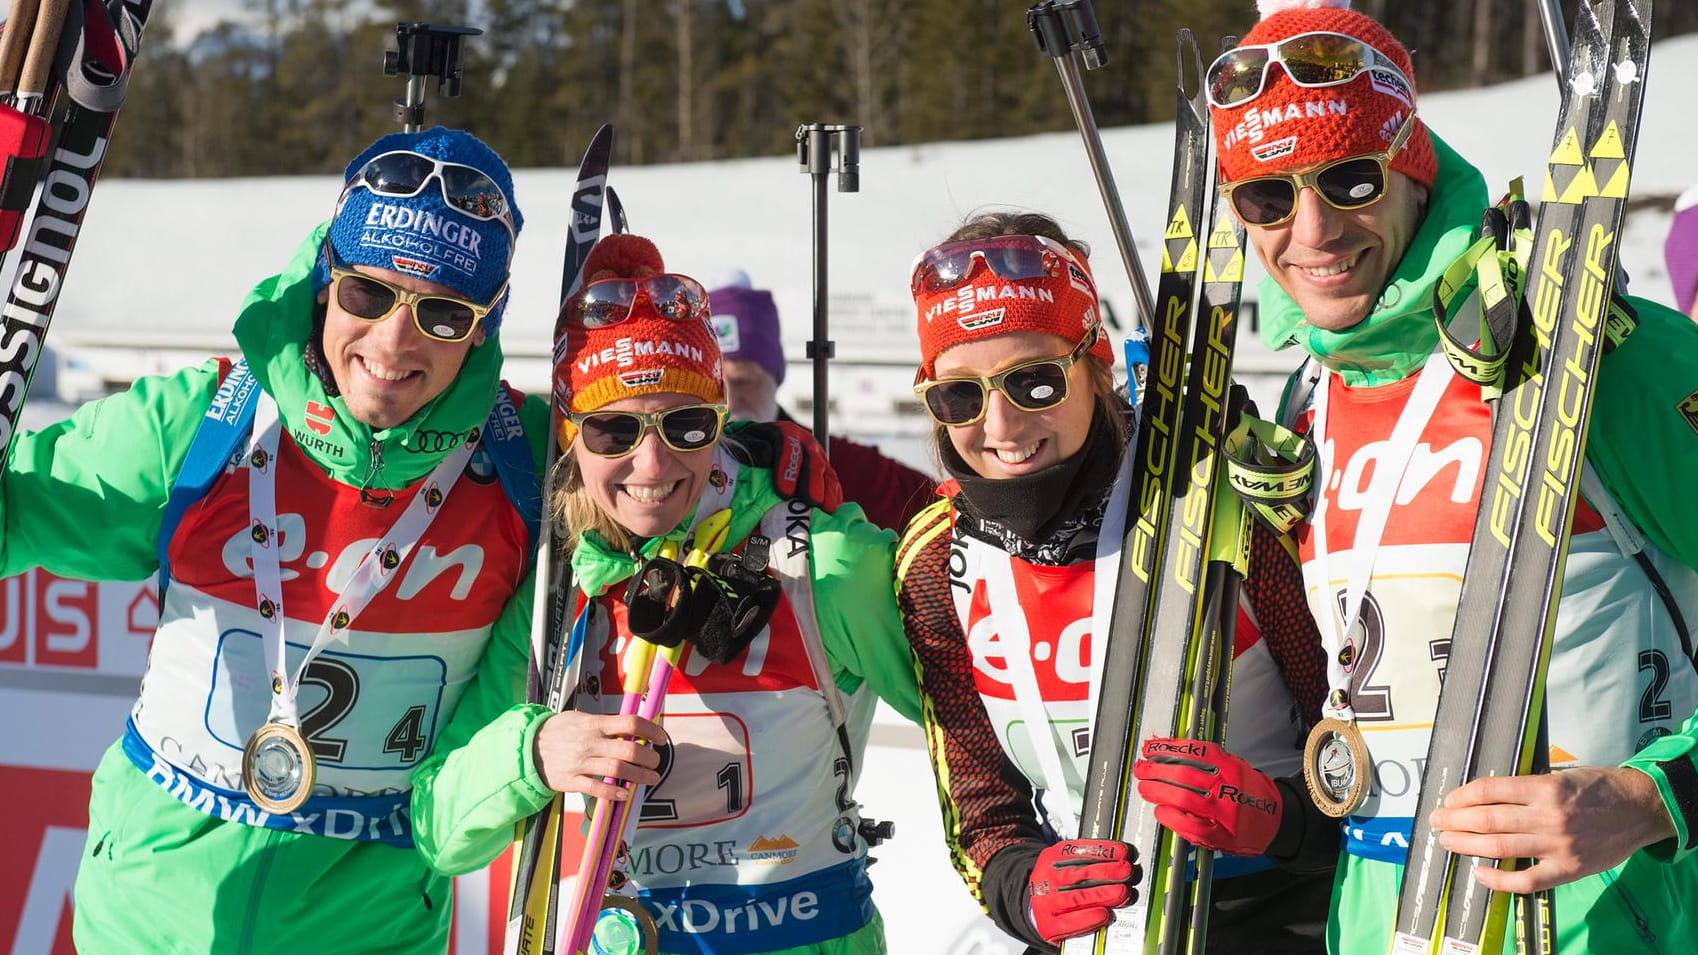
746 320
1681 252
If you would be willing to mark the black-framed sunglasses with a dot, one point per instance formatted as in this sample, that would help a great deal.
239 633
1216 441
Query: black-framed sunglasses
1351 183
613 434
444 318
1030 386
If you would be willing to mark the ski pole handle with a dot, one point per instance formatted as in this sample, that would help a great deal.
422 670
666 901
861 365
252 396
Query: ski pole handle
38 62
1061 27
14 44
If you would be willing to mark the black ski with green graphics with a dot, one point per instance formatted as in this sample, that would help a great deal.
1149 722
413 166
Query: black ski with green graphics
1163 663
1494 678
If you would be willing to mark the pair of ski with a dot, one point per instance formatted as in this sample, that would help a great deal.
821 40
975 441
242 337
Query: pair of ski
555 663
64 72
1167 662
533 917
1493 692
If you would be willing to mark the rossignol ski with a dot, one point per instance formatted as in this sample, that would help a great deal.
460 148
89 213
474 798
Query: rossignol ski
1163 669
51 164
1494 678
532 916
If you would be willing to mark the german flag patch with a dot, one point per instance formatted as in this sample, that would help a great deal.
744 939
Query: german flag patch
1688 408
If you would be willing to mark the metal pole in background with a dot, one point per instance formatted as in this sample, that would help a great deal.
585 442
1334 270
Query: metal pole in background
1556 37
816 143
426 50
1063 27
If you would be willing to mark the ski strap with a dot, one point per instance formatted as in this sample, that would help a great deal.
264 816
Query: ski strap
1271 469
1496 268
104 39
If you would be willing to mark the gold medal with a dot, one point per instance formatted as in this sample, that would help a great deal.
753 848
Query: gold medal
278 768
623 927
1336 767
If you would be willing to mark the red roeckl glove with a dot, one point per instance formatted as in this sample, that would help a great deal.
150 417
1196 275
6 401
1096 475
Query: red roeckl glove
1077 883
1208 796
799 466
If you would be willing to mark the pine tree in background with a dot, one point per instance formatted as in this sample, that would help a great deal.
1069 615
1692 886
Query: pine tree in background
299 88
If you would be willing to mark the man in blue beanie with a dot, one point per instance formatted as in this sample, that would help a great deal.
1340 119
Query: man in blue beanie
745 320
333 525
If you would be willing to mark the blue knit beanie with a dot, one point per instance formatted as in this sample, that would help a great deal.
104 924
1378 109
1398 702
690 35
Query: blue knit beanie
422 235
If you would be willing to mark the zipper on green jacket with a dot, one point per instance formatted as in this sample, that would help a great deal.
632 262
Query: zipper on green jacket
256 890
1613 882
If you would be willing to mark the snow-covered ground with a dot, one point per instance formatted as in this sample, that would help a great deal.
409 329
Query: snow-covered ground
167 261
162 265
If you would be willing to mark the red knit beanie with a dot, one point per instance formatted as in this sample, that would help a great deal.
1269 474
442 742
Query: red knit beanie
1288 126
1063 303
644 355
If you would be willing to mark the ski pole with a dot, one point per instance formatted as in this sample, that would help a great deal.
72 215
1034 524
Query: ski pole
1061 28
815 145
426 50
1556 38
616 211
648 671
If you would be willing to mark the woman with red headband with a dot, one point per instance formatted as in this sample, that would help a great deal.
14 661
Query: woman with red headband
749 839
1005 589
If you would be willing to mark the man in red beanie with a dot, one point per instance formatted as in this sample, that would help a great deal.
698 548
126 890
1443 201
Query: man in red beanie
1355 210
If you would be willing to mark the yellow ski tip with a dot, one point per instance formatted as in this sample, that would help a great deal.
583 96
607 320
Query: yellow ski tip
1180 226
1567 151
1609 144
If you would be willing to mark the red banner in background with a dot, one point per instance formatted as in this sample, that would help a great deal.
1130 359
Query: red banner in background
72 655
42 828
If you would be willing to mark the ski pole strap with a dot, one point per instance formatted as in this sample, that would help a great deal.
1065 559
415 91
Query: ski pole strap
105 38
1229 536
1494 265
1271 469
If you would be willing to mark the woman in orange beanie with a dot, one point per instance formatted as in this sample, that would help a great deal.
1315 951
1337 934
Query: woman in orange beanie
749 839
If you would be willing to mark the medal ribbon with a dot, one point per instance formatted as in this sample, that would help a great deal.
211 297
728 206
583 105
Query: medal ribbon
1010 620
1389 469
374 572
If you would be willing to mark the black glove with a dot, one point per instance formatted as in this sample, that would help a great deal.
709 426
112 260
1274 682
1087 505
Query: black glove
719 609
734 597
654 601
